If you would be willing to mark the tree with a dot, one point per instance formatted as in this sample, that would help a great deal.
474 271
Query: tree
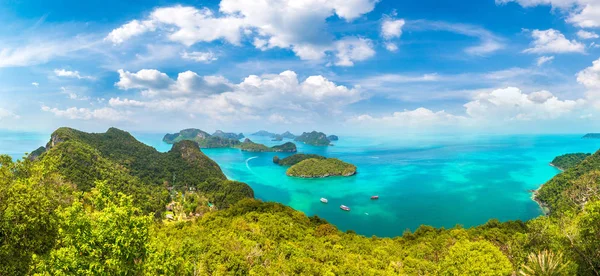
545 263
475 258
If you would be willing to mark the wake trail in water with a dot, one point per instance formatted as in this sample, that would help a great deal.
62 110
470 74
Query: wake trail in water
248 160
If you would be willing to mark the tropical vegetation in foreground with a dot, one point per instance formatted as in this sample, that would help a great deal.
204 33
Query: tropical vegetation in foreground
569 160
97 204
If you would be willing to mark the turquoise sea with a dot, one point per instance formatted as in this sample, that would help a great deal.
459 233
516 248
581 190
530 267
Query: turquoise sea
435 180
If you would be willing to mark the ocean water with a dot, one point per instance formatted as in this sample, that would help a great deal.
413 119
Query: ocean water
437 180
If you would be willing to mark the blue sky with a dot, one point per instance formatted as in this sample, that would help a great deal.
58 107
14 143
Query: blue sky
518 66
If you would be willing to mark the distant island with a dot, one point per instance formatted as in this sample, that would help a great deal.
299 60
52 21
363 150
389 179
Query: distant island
567 161
228 135
333 138
264 133
314 138
219 139
277 137
295 159
591 136
320 168
288 135
248 145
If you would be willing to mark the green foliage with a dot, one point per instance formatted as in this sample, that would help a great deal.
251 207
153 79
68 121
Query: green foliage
250 146
295 159
224 193
312 168
218 140
475 258
313 138
568 161
545 263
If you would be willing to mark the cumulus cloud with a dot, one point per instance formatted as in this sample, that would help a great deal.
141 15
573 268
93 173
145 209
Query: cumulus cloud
216 97
544 59
420 117
6 114
35 84
70 74
581 13
391 28
351 49
296 25
553 41
512 104
590 78
203 57
74 113
587 35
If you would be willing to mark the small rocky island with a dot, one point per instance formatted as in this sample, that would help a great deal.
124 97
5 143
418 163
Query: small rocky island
219 139
314 138
250 146
315 166
591 136
567 161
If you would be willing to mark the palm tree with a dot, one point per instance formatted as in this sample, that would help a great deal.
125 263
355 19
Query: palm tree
544 263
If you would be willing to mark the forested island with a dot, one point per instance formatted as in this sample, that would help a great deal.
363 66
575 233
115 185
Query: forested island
314 138
248 145
219 139
315 166
96 203
567 161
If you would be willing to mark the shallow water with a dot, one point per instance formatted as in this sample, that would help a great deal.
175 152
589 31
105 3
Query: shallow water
433 180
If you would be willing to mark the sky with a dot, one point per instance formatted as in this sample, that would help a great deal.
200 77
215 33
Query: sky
343 66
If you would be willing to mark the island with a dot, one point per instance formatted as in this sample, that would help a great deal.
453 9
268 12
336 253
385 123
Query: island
277 137
295 159
264 133
333 138
288 135
567 161
228 135
313 138
315 166
250 146
204 140
591 136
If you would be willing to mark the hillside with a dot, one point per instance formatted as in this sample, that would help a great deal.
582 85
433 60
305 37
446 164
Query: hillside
313 138
250 146
567 161
319 168
204 140
82 207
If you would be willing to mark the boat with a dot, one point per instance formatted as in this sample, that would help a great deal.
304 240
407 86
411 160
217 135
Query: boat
375 197
324 200
345 208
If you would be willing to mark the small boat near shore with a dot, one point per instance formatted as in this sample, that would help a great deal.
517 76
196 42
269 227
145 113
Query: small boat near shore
345 208
375 197
324 200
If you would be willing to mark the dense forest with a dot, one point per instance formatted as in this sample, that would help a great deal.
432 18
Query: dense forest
107 204
321 167
569 160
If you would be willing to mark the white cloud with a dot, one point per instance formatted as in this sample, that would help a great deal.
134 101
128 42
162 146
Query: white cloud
391 28
544 59
35 84
71 74
553 41
278 119
420 118
351 49
129 30
587 35
288 24
253 98
582 13
39 52
204 57
73 113
511 104
590 77
6 114
392 47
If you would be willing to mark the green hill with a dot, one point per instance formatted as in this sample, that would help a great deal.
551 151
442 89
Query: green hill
318 168
295 159
313 138
569 160
203 139
250 146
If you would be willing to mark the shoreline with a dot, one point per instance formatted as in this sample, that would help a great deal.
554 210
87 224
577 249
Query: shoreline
543 207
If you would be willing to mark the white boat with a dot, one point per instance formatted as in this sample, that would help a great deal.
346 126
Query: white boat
324 200
345 208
